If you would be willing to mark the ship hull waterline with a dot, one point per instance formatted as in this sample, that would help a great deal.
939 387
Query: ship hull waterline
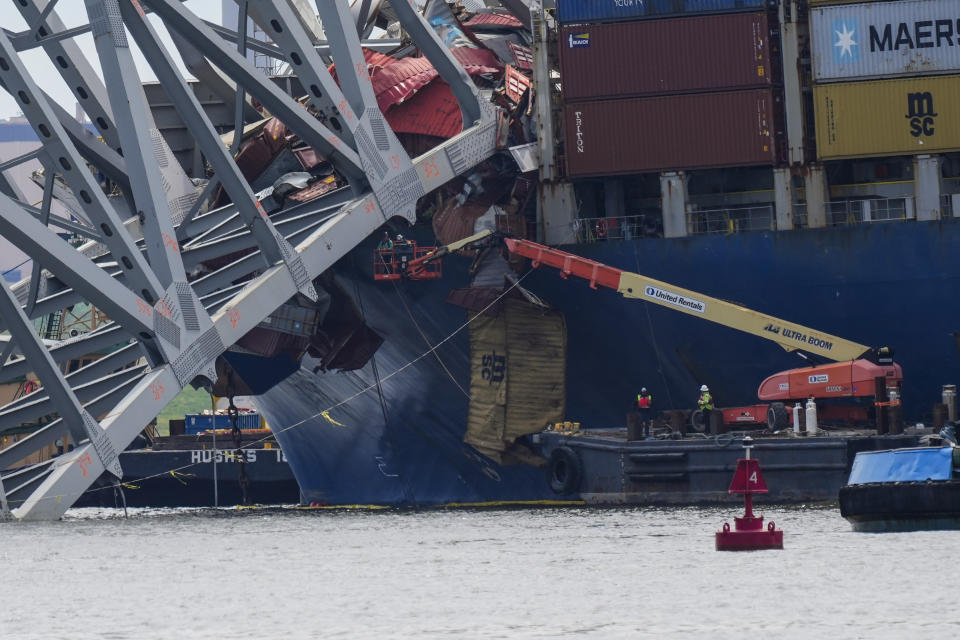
392 432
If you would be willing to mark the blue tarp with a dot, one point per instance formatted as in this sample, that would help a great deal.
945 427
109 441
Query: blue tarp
902 465
589 11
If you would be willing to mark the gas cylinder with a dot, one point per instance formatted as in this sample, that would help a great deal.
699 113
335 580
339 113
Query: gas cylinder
811 417
950 399
796 418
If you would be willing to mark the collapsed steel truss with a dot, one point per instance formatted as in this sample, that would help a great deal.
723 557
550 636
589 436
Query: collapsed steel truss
141 246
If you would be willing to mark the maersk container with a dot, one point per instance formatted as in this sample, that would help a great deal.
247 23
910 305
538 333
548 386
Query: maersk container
695 131
887 117
592 11
885 39
656 57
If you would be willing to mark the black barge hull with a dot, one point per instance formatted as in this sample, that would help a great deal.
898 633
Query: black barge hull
608 470
185 478
902 506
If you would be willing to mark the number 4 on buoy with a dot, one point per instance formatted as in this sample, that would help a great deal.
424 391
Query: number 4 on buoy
748 533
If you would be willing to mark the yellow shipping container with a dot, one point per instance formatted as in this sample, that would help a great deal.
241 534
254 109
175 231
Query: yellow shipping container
887 117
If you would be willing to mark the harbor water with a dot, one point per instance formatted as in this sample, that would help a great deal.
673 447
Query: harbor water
542 573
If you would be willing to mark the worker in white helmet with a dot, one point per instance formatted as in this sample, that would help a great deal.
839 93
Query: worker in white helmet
705 402
403 250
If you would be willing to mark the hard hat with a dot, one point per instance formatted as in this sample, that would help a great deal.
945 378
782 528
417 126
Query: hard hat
644 390
399 237
703 387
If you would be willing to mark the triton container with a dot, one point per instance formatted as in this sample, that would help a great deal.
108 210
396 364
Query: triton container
589 11
878 39
657 57
887 117
636 135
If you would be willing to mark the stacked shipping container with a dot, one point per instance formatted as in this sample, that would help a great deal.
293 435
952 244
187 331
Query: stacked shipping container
857 113
597 11
667 94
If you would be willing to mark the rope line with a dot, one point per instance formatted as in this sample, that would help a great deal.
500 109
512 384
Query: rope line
320 414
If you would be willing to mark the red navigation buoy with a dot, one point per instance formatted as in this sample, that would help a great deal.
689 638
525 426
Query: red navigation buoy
748 533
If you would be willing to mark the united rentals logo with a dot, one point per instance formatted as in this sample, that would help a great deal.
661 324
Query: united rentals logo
578 40
920 113
675 299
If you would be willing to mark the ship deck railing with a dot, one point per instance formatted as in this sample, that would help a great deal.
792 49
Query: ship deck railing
760 217
647 225
731 219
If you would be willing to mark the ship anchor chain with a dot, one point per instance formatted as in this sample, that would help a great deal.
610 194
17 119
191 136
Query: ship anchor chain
234 414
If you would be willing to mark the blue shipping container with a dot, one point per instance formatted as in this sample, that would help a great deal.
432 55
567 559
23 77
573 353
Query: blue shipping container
195 423
590 11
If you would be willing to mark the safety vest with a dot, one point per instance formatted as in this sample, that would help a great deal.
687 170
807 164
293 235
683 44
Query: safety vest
644 401
705 402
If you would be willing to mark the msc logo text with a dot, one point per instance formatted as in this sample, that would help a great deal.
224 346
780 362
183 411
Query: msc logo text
920 113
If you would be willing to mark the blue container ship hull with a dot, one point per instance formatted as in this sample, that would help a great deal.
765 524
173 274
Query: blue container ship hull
351 440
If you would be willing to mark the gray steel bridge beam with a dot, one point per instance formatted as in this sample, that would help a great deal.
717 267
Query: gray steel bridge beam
63 155
240 241
13 416
56 429
271 243
225 220
309 129
79 423
73 67
278 20
69 350
93 370
118 302
141 153
385 162
57 487
89 90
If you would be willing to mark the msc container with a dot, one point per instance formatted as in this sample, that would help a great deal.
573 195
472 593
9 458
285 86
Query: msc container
887 117
883 39
590 11
656 57
697 131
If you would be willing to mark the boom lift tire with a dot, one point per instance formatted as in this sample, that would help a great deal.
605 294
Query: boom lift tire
777 416
565 470
699 420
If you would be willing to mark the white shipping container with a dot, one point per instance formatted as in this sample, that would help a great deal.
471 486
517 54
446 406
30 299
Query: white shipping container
885 39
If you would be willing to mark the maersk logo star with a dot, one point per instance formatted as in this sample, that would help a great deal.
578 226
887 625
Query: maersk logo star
845 48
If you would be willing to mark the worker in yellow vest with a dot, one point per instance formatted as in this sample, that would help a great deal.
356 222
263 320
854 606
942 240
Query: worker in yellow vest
705 402
705 405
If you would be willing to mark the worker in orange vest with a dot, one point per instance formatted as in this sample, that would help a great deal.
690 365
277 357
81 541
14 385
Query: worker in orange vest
644 410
